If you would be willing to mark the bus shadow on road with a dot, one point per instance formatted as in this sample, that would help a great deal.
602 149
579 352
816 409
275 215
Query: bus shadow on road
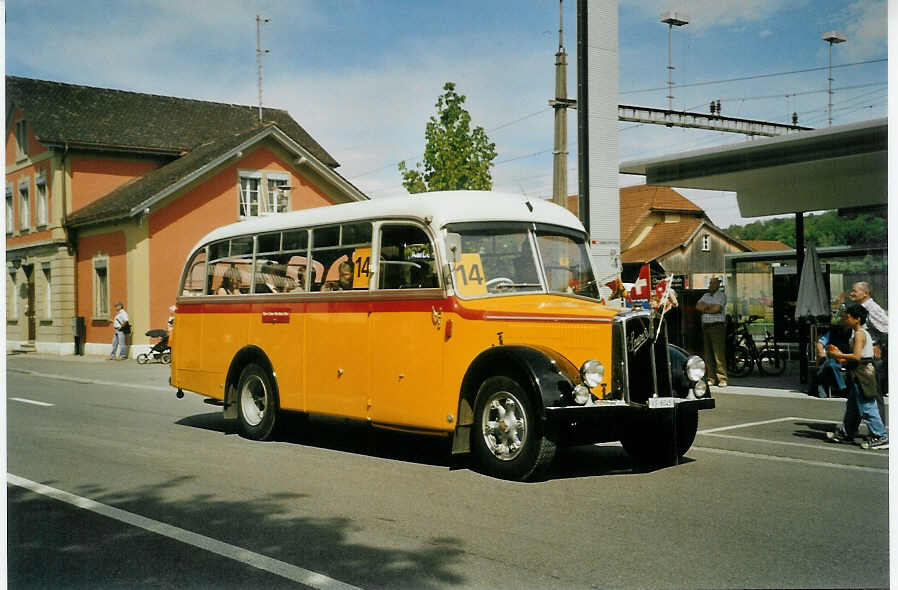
341 435
598 461
361 438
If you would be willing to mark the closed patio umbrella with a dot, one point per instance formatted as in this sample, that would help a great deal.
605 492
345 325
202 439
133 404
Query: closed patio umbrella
812 301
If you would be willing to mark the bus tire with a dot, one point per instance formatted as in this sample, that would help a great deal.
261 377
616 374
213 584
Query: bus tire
507 438
257 403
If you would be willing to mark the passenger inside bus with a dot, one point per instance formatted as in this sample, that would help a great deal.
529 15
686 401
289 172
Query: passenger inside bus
230 282
344 281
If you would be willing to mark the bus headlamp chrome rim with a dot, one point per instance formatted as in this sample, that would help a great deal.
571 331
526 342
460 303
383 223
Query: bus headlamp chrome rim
700 388
592 372
695 368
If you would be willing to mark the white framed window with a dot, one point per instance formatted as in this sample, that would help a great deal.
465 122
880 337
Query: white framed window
101 287
21 140
40 186
278 189
24 206
48 291
10 222
250 183
263 193
706 243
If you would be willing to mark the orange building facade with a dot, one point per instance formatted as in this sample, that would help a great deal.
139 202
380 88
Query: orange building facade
90 224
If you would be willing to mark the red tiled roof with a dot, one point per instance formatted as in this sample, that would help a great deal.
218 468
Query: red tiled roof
766 245
663 238
636 202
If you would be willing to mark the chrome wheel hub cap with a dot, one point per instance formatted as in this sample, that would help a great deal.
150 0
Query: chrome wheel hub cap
504 426
253 400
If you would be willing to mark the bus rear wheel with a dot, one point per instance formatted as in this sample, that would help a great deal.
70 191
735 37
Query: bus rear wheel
257 403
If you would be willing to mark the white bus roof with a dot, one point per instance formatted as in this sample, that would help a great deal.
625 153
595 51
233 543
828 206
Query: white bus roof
442 207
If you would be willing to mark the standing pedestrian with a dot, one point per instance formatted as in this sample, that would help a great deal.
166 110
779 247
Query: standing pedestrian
878 326
712 306
121 327
862 386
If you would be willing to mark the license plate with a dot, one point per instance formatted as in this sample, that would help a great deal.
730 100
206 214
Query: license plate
661 402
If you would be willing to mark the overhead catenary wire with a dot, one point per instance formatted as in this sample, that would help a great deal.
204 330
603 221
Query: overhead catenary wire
753 77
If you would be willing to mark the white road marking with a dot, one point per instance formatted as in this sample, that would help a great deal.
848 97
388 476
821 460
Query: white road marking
840 448
763 422
31 401
257 560
791 460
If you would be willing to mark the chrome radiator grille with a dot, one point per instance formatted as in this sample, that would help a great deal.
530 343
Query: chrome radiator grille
640 363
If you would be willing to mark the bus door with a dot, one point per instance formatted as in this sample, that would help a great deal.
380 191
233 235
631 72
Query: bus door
407 331
337 359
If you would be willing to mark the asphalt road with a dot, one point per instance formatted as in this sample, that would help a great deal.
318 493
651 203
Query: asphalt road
119 484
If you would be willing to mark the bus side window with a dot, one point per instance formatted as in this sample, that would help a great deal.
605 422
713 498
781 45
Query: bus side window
193 279
406 258
230 267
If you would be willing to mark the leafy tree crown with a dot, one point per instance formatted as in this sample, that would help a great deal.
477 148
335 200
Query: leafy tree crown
456 157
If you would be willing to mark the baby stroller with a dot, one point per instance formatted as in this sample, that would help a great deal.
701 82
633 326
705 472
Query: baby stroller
161 351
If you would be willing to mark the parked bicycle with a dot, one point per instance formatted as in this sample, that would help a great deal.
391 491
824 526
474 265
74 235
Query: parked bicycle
743 353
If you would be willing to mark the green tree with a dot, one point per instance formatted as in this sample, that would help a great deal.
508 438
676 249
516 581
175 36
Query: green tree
826 229
455 156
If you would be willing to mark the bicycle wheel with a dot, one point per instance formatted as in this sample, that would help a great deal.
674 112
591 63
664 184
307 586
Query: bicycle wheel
739 362
771 361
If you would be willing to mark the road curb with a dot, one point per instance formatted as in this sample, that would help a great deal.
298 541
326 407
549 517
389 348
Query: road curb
89 381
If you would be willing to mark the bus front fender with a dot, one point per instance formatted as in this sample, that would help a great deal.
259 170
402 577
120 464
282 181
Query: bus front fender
548 376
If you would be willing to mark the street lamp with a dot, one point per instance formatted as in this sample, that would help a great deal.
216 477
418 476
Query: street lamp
832 37
671 19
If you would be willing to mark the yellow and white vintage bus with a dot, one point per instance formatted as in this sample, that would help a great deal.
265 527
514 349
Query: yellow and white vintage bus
466 314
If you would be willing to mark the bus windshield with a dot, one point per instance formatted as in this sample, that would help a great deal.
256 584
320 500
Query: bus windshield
504 258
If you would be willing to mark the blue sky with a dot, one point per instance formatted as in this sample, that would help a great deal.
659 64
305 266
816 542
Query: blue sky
362 76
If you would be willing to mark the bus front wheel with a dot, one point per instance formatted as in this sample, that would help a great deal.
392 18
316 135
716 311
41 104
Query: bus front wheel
507 437
257 403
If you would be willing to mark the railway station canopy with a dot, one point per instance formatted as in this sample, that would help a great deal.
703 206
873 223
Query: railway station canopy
844 166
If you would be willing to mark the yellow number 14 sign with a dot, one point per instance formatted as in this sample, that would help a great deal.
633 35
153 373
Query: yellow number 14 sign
469 279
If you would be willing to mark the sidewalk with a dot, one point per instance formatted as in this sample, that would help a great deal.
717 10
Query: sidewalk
91 369
96 369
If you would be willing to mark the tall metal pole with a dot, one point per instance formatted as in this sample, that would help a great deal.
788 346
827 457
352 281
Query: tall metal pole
671 19
561 103
670 67
259 53
832 37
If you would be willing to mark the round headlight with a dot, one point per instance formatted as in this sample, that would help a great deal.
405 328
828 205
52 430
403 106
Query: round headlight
695 368
581 395
592 373
700 388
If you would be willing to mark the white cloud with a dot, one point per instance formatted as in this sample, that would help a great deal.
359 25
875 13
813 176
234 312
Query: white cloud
714 13
866 30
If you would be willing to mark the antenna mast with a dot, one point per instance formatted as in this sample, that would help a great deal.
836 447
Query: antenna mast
259 53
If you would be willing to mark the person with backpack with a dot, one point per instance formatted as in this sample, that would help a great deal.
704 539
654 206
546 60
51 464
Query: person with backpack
121 327
862 384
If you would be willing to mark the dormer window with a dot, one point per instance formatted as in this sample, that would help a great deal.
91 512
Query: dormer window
706 243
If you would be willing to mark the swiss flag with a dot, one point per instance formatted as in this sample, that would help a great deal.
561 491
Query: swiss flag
660 288
642 288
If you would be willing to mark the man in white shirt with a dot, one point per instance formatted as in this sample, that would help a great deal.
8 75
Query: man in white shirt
712 306
877 318
878 326
118 336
